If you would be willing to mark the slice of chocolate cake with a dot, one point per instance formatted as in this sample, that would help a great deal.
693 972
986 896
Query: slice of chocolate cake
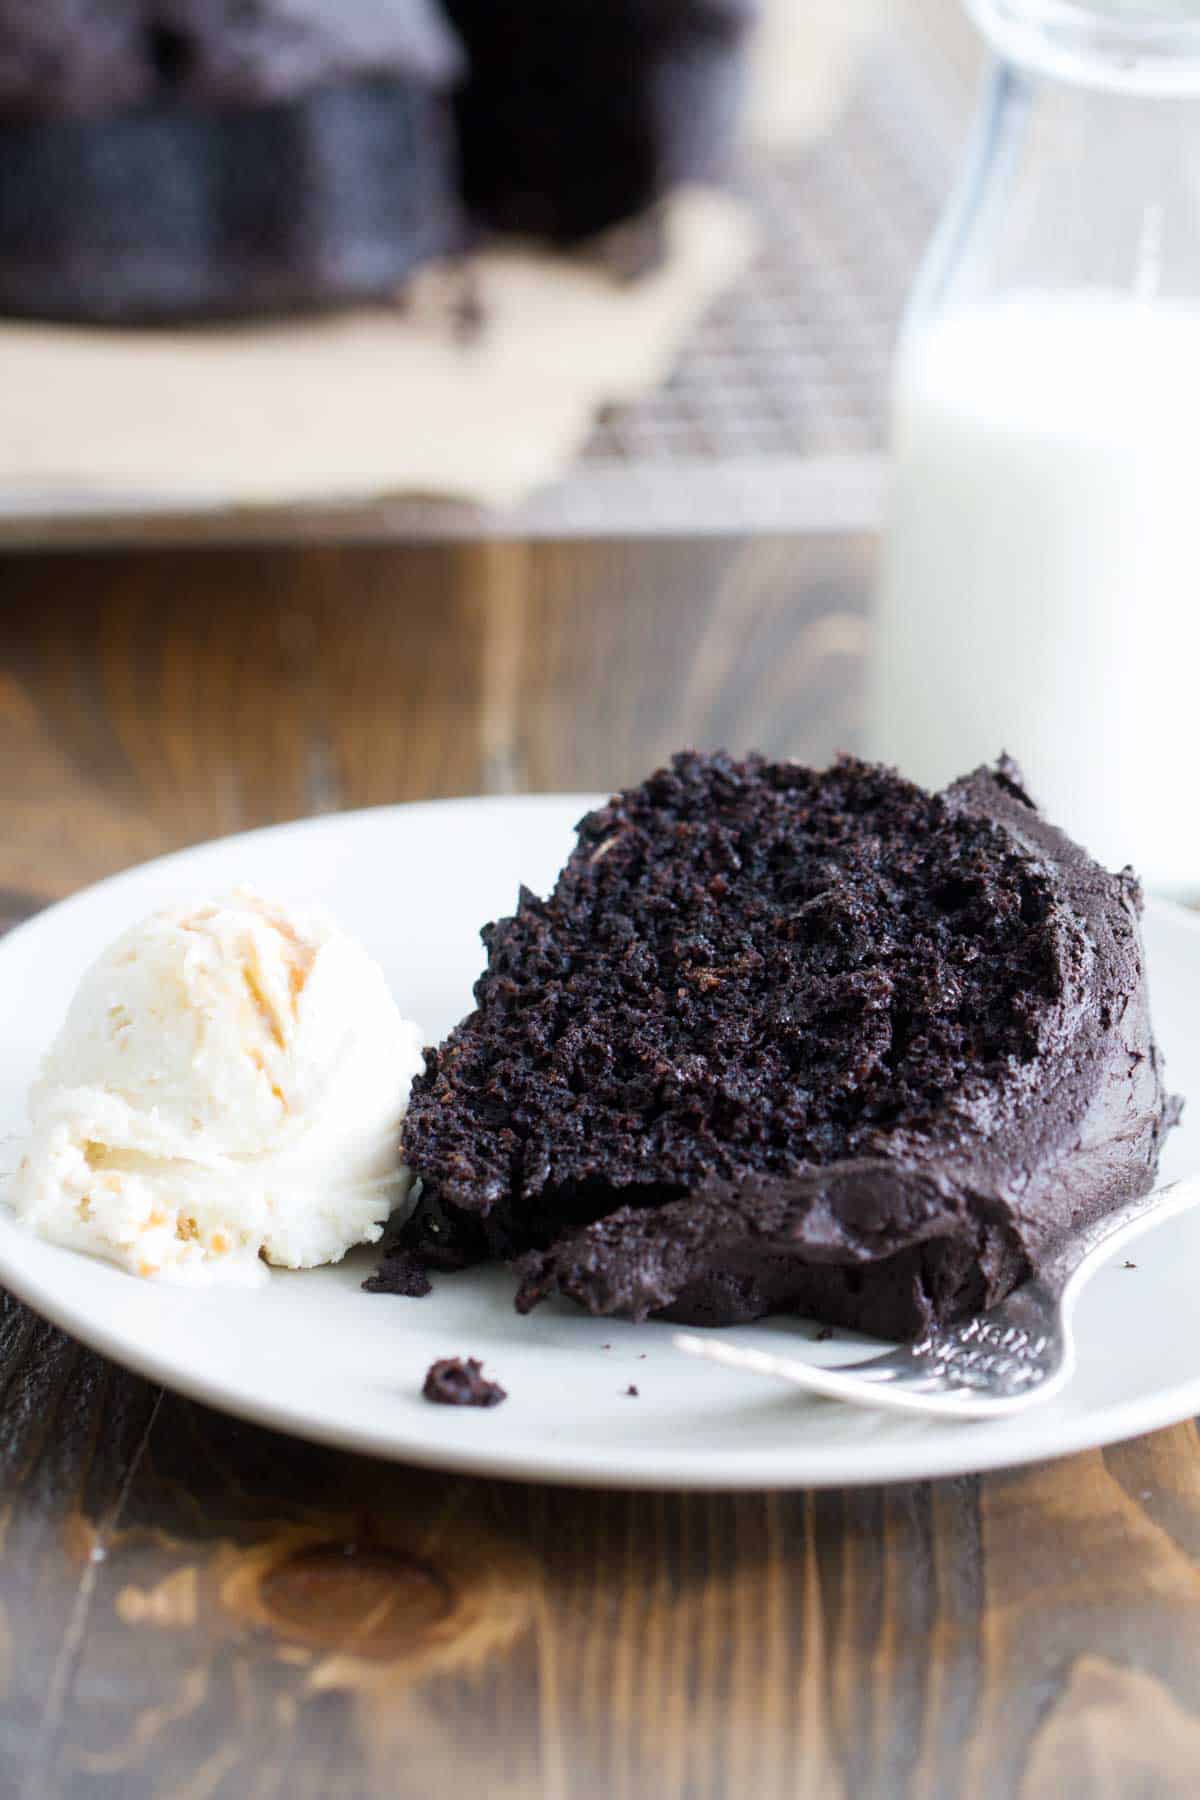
794 1040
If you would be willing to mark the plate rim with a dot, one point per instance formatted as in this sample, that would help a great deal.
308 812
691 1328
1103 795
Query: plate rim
629 1467
678 1470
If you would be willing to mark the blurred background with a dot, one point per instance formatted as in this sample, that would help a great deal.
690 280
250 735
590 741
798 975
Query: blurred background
701 573
523 520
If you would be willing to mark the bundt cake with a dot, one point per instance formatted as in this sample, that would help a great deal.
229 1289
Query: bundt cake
185 159
783 1039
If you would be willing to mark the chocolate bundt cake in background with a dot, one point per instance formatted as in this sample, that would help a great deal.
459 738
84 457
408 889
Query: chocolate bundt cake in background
575 116
793 1040
87 57
170 159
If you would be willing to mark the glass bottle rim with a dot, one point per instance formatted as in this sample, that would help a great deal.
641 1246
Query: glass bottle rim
1128 46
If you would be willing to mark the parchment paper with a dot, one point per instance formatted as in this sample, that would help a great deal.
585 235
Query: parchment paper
481 387
804 61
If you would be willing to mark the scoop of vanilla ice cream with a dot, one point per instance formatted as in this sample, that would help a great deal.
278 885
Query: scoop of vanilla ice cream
228 1085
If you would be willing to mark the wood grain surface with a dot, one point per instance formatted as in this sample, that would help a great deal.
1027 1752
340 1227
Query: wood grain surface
193 1607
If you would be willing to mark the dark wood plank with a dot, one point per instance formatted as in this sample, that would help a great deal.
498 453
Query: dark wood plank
190 1606
74 1431
153 702
274 1618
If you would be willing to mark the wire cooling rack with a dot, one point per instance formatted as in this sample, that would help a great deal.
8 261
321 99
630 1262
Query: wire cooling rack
775 416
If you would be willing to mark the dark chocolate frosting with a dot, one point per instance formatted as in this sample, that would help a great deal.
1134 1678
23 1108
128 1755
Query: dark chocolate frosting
788 1040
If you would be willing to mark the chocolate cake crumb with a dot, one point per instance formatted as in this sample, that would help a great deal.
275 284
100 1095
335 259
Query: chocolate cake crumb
631 1392
400 1272
469 315
455 1382
823 1335
1130 1265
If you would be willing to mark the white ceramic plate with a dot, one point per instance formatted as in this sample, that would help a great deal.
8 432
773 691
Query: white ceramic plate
311 1353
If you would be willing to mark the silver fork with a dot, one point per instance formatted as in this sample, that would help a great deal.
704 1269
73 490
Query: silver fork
1002 1361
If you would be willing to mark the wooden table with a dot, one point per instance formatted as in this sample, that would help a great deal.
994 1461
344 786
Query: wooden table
193 1607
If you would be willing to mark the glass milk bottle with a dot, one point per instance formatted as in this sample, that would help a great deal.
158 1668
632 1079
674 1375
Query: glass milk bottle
1040 590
